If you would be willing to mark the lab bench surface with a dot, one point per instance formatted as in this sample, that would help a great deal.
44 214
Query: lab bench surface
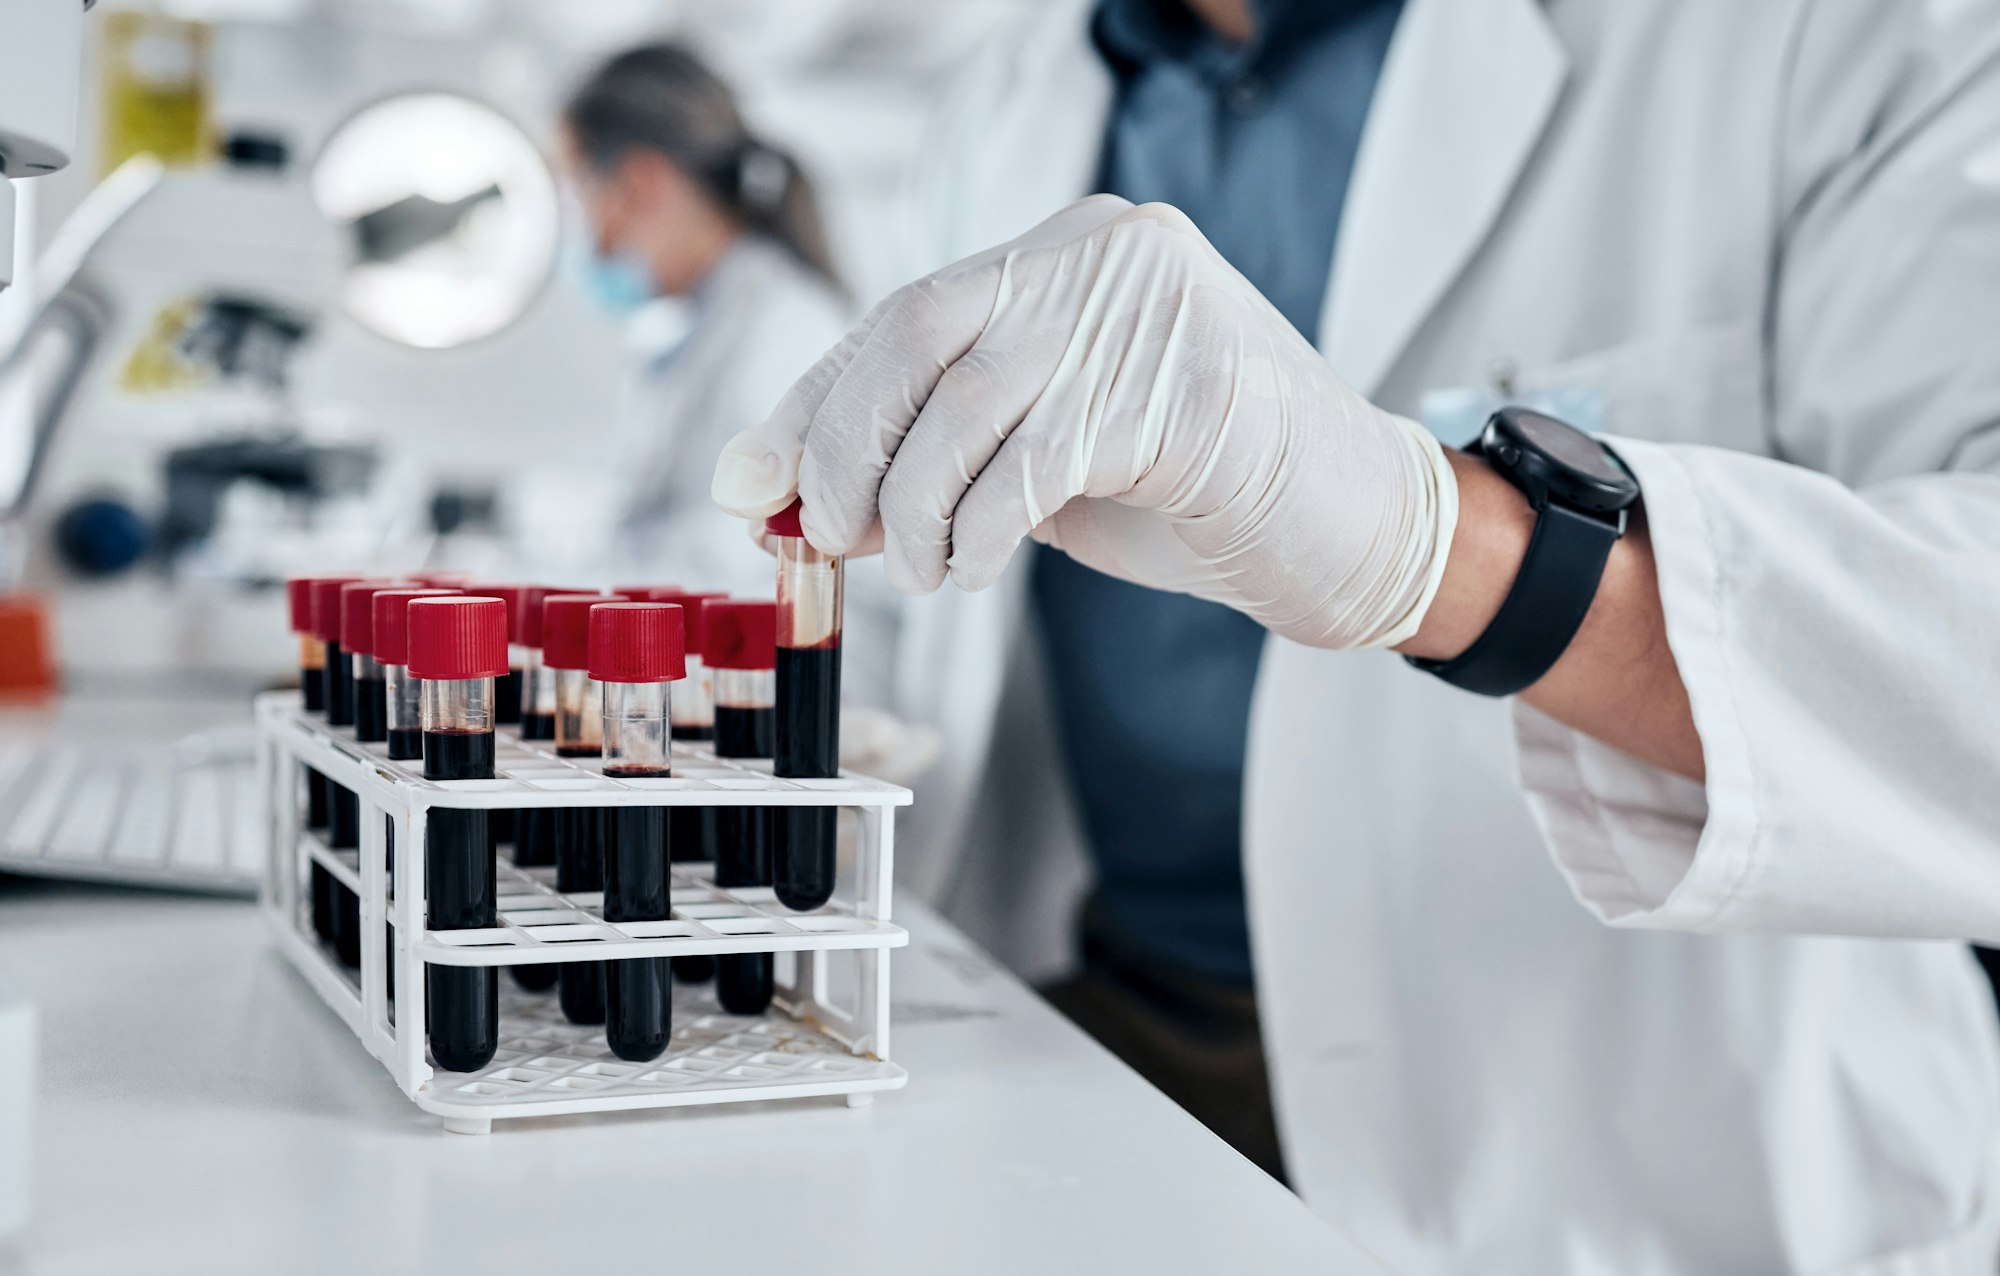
201 1111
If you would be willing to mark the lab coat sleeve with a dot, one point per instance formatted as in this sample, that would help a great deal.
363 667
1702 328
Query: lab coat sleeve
1836 615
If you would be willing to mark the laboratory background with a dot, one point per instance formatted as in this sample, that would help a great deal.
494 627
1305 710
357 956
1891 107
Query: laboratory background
918 636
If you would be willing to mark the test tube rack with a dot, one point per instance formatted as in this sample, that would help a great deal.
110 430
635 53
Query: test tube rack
827 1032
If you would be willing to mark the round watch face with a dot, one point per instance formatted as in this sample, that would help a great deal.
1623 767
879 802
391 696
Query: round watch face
1575 466
1569 447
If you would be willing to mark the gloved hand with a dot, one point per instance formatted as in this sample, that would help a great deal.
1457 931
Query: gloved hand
1109 385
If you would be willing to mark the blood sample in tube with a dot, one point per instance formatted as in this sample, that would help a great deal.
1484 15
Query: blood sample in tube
538 686
691 830
343 831
579 869
693 696
808 696
741 647
636 654
457 647
371 726
357 639
299 595
506 689
566 652
339 675
534 827
578 833
694 828
390 631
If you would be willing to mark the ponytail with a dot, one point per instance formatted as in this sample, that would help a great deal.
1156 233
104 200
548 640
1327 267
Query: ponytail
662 98
773 195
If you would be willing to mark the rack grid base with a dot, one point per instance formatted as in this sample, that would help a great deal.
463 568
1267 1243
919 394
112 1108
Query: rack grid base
827 1032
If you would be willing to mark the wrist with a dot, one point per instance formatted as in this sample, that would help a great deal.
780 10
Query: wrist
1495 522
1409 568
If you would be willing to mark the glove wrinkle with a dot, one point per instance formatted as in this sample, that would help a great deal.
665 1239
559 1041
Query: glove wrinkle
1107 384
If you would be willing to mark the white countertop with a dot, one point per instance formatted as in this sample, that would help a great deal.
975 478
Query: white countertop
202 1111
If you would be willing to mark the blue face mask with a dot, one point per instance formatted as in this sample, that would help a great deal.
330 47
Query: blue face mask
620 281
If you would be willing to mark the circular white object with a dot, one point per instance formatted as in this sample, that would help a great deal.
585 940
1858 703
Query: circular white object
473 271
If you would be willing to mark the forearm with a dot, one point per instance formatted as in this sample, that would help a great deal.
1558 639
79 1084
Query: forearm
1617 681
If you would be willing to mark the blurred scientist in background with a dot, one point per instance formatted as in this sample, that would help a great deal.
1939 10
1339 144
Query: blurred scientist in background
682 200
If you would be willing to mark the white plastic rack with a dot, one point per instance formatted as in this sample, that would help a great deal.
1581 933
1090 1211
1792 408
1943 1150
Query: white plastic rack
828 1029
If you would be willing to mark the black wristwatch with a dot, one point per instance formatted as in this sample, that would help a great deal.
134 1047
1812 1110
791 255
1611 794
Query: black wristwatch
1580 492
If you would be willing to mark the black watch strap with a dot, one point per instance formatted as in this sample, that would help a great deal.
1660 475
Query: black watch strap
1552 593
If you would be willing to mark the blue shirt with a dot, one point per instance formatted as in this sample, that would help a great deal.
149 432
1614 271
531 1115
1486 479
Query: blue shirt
1254 142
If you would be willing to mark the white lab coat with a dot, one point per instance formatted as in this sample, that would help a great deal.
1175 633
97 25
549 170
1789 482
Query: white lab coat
1749 230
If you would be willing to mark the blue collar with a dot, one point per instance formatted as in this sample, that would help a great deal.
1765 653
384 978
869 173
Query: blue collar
1133 34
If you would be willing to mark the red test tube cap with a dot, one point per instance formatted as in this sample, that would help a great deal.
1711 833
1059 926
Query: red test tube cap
649 593
508 593
392 621
357 613
566 628
457 636
526 627
696 602
325 592
740 633
637 642
299 600
785 522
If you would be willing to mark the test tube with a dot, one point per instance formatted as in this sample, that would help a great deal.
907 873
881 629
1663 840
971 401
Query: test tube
371 726
808 695
566 652
534 836
312 648
457 647
357 640
692 830
578 831
391 633
507 689
538 684
535 826
693 696
637 652
740 640
695 828
391 630
299 593
343 826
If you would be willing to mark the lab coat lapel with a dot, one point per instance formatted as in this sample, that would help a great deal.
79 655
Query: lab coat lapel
1045 152
1467 89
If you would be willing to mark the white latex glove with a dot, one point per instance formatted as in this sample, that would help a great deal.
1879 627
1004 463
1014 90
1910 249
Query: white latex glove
1109 385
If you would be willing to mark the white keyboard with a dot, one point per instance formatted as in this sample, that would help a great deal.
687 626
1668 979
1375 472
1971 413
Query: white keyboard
180 815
